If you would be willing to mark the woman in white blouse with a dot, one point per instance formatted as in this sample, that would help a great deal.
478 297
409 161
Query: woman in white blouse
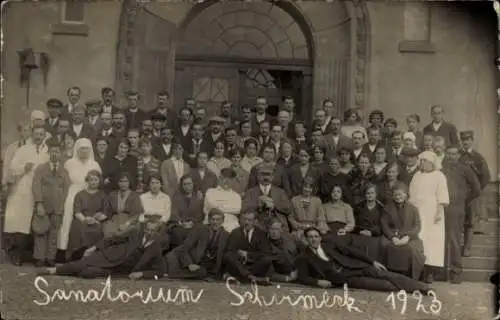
250 159
155 202
218 161
224 199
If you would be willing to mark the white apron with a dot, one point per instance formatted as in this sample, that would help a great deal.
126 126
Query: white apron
427 190
20 203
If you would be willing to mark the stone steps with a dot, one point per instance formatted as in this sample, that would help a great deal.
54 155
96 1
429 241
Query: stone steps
477 275
485 263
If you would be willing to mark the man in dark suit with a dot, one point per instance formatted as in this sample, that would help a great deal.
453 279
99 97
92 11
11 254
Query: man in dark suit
50 187
247 256
286 124
136 252
266 199
108 100
410 166
374 142
196 144
134 115
439 127
163 151
476 214
215 133
79 126
335 140
263 136
73 94
54 107
203 178
260 112
395 148
200 256
119 124
279 176
164 108
334 265
284 252
320 119
182 129
94 116
300 138
231 140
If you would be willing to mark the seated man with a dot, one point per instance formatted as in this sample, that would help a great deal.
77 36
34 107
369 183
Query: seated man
283 252
248 252
335 265
200 256
136 253
266 199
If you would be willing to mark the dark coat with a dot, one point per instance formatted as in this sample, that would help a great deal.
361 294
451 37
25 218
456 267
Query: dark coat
280 178
159 152
113 168
478 164
115 251
367 219
296 179
134 119
183 208
51 189
405 221
210 180
463 184
281 203
86 132
332 148
447 130
287 164
257 248
205 146
51 129
328 180
359 182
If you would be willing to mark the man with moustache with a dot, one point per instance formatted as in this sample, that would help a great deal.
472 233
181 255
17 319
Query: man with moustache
108 100
335 140
182 130
163 151
333 265
215 133
463 187
247 252
73 94
93 116
200 256
226 111
79 126
374 142
163 108
410 165
136 252
119 124
476 214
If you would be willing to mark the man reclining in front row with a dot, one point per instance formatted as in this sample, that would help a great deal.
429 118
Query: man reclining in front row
136 252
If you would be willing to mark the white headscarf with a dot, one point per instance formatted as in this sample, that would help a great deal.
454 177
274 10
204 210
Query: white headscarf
431 157
76 168
37 115
83 142
411 136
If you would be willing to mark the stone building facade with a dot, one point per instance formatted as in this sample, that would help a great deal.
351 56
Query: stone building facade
394 56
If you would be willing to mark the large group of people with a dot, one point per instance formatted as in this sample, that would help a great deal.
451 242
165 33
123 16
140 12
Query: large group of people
96 190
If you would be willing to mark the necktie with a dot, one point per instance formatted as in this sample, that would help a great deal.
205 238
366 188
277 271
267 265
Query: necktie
54 169
37 149
247 235
197 146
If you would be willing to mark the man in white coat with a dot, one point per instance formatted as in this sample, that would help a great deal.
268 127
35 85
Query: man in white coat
19 210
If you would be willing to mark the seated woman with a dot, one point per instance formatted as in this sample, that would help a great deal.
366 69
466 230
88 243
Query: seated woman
287 156
404 252
333 177
124 207
225 200
115 165
218 161
89 207
250 159
147 164
307 211
155 202
102 152
362 175
187 209
366 236
380 163
318 160
338 217
388 183
240 181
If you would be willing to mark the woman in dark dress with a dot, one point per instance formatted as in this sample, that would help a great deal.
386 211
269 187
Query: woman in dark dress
388 183
302 170
318 160
380 163
333 177
101 150
403 249
345 159
90 207
68 142
121 162
367 235
187 209
361 175
124 207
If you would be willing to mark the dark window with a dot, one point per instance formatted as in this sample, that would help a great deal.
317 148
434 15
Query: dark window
73 11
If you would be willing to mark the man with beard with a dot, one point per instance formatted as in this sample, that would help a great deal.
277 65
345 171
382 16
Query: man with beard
333 265
163 107
108 100
463 187
163 151
136 253
267 200
215 134
133 114
232 140
200 256
476 214
247 252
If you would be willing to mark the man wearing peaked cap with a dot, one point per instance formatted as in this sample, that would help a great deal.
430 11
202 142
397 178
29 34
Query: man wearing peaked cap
410 156
476 213
94 115
215 132
217 119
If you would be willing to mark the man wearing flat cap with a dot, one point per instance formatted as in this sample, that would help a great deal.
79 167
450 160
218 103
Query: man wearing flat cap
476 213
266 199
164 108
409 166
54 107
215 132
94 115
159 122
136 252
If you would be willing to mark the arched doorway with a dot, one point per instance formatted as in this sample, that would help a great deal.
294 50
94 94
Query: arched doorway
238 51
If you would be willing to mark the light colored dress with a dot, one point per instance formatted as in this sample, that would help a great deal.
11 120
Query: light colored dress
427 190
227 201
19 210
248 163
217 164
78 171
159 204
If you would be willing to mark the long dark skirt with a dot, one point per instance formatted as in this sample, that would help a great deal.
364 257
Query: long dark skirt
407 259
333 237
369 245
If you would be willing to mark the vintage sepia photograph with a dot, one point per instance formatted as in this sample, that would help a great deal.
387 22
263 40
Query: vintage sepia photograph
242 160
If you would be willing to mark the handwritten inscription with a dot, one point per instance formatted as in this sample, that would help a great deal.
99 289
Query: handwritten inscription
307 302
402 298
150 295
